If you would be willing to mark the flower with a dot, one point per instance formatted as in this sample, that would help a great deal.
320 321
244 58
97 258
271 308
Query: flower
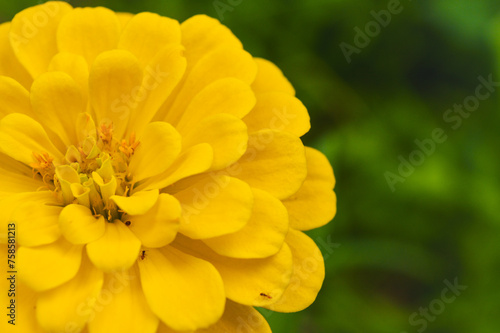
152 176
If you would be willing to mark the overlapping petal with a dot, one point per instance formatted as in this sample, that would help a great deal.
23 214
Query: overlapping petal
214 206
308 274
314 204
262 236
176 294
71 303
125 308
48 266
33 31
117 249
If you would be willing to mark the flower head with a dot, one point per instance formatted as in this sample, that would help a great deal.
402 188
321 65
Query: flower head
152 176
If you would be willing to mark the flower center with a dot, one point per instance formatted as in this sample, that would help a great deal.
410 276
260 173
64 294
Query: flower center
91 173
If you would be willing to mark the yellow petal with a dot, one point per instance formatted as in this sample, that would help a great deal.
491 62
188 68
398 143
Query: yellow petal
185 292
36 223
274 162
308 274
88 32
33 32
159 146
229 95
214 206
315 204
117 249
125 308
202 34
114 77
25 302
13 97
20 136
16 182
9 64
236 318
72 302
239 318
137 204
219 64
124 19
11 201
254 282
57 100
159 226
79 226
225 133
147 33
48 266
278 111
270 78
75 66
264 234
161 76
193 161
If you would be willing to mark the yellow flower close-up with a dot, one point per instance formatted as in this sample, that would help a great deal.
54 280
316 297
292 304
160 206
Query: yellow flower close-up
152 177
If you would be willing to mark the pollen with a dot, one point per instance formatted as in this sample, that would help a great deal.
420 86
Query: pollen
43 166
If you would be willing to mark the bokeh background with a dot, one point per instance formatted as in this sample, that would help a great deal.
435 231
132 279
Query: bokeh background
394 247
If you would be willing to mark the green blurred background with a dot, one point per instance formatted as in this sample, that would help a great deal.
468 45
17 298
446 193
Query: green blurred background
395 248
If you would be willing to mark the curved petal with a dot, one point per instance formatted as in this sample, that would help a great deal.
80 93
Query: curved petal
11 201
315 203
75 66
137 204
159 226
270 78
193 161
308 274
25 303
88 32
229 95
9 64
115 77
161 76
16 182
159 146
264 234
14 98
48 266
219 64
21 136
185 292
236 318
225 133
33 32
124 18
214 206
239 318
36 223
117 249
254 282
127 309
278 111
79 226
274 162
72 302
57 100
147 33
202 34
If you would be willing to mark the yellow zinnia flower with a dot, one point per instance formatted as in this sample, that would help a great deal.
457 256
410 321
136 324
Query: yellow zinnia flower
152 177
